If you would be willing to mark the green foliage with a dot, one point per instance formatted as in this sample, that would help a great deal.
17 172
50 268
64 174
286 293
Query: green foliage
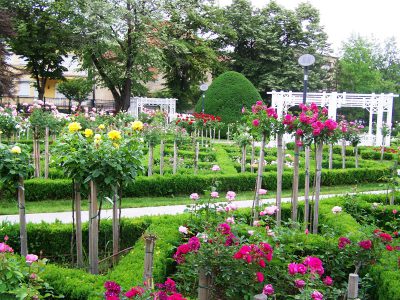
226 96
39 37
76 89
14 163
8 123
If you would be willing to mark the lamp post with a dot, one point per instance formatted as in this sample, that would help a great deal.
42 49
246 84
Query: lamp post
203 88
305 61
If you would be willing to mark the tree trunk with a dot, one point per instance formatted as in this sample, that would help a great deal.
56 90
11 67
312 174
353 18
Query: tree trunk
330 156
307 187
356 155
343 154
23 235
162 157
78 230
219 135
295 184
352 288
175 163
36 153
256 201
151 159
115 226
93 230
243 161
382 151
279 173
252 157
148 261
46 154
317 185
196 159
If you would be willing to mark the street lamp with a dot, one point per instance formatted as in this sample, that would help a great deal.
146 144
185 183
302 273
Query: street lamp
305 61
203 88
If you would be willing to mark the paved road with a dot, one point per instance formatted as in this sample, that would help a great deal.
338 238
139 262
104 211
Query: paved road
66 217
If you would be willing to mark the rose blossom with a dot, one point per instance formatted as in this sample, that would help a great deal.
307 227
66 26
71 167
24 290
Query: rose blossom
262 191
299 143
183 229
343 241
230 220
394 211
317 295
30 258
215 168
230 195
256 122
336 209
260 277
214 195
299 283
328 281
250 232
366 244
256 223
268 289
194 196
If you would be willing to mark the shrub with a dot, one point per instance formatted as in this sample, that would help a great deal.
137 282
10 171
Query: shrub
226 96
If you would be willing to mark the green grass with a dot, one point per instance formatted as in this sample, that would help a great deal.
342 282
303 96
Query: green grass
10 207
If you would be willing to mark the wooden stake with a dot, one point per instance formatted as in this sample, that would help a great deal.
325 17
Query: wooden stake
162 157
382 151
196 158
93 231
175 163
23 235
330 156
352 288
317 186
279 173
219 135
115 226
243 162
256 201
204 286
356 155
46 154
295 184
307 187
151 159
343 154
252 157
148 261
228 134
260 297
78 230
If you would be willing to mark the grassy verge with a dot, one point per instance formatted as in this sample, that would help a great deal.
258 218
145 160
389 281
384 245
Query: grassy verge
46 206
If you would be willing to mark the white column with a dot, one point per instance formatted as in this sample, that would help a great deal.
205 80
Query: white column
389 117
332 106
274 99
379 121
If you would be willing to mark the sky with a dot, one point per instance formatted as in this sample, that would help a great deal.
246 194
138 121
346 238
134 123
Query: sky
342 18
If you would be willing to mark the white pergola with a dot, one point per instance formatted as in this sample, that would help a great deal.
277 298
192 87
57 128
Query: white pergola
167 105
377 104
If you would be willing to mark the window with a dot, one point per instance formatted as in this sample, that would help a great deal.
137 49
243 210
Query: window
24 89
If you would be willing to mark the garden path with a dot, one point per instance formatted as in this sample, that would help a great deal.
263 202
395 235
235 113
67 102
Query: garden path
66 217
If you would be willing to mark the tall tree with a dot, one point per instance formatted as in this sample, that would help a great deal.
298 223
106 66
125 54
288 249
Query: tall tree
6 72
267 44
121 42
42 37
189 53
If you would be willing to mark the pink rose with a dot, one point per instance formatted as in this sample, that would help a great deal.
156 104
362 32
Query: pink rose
30 258
194 196
256 122
317 295
299 283
366 244
214 195
328 281
230 195
268 289
260 277
299 132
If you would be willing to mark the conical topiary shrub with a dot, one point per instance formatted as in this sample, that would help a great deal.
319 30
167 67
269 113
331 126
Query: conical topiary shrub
226 96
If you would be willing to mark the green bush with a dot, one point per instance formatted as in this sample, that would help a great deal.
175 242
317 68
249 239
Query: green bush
226 96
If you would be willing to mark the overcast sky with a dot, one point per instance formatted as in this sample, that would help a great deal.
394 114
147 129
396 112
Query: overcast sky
341 18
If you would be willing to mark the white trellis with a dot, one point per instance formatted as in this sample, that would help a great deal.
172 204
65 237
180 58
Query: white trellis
377 104
167 105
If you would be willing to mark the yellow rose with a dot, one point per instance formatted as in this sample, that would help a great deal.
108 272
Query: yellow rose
114 135
137 125
88 132
74 127
116 145
101 126
15 150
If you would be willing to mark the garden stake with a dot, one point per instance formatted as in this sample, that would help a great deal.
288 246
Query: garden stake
330 156
204 285
22 218
36 153
243 162
196 159
295 184
279 173
252 157
256 201
307 186
175 163
356 155
150 162
343 154
352 289
260 297
93 230
317 185
162 157
78 232
148 261
46 153
115 226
